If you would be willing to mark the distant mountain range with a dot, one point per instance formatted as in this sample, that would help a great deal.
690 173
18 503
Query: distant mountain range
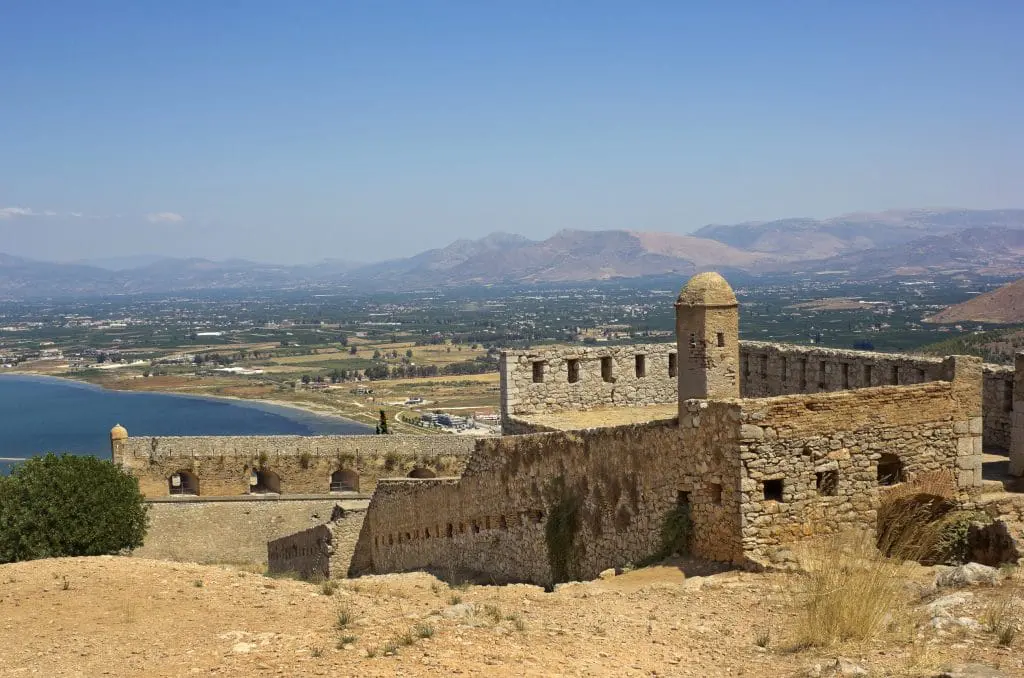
863 245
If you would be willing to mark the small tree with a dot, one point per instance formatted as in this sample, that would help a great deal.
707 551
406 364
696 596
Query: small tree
382 427
69 506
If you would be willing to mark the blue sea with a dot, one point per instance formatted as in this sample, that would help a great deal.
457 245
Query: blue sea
43 414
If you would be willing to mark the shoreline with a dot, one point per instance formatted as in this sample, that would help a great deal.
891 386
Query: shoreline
212 396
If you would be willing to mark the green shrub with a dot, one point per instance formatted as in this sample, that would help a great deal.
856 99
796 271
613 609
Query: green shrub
69 506
676 531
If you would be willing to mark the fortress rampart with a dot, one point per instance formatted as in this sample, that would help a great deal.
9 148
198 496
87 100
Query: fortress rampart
754 475
243 465
766 369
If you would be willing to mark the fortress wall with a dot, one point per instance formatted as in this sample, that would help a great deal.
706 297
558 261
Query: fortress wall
826 449
234 530
607 491
320 552
766 369
599 384
304 464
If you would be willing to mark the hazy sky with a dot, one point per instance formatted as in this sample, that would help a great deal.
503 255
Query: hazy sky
295 131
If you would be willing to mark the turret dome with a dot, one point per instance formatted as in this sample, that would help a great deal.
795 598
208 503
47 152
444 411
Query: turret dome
707 289
118 432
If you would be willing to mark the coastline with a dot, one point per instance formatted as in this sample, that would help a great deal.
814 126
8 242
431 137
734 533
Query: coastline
273 403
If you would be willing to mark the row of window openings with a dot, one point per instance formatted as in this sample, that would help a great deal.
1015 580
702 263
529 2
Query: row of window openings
475 527
268 482
607 368
894 372
890 472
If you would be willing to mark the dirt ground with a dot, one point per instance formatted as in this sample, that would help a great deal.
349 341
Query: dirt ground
113 616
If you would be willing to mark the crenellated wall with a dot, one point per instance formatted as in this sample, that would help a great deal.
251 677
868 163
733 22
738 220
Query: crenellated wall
766 369
224 465
755 475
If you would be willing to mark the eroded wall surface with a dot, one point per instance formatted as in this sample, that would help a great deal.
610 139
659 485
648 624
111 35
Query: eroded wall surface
223 465
320 552
236 530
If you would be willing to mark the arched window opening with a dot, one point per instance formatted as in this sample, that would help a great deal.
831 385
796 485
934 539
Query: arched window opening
183 482
264 481
890 470
420 472
345 480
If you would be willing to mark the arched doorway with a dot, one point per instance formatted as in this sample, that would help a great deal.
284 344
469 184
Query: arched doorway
183 482
420 472
344 480
265 481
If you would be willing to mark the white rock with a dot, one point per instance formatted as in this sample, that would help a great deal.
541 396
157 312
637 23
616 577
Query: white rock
966 575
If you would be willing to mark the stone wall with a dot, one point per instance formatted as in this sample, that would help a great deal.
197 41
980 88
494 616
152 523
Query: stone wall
586 377
235 529
225 465
755 475
811 462
320 552
766 369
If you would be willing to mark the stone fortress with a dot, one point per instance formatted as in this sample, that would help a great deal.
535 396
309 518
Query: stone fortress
762 445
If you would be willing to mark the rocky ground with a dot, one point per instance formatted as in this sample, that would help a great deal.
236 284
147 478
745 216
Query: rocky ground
111 616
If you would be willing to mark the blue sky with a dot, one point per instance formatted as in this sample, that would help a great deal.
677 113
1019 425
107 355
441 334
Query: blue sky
295 131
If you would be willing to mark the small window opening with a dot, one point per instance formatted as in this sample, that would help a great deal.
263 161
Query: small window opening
538 372
673 365
773 490
574 370
803 374
785 369
641 366
890 470
475 526
606 368
845 371
720 339
894 375
821 376
827 483
921 378
868 375
693 340
502 523
764 367
451 531
682 498
1007 396
715 492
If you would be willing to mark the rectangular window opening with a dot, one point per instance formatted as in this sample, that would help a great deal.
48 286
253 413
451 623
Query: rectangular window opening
764 367
868 375
894 375
538 372
683 498
821 376
827 483
673 366
785 369
715 492
1007 396
803 374
921 377
773 490
845 371
574 370
641 366
720 338
606 368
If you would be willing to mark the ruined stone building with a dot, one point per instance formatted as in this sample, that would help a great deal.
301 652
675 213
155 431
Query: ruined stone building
761 445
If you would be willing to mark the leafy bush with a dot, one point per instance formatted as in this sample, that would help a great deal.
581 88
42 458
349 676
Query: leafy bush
69 506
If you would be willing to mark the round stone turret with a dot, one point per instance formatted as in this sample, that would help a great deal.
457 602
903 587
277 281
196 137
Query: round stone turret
118 440
707 339
707 289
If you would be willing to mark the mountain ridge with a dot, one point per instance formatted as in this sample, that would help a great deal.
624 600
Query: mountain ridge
895 242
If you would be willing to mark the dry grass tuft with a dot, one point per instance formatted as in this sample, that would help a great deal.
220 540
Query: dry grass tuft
917 519
1004 617
851 590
